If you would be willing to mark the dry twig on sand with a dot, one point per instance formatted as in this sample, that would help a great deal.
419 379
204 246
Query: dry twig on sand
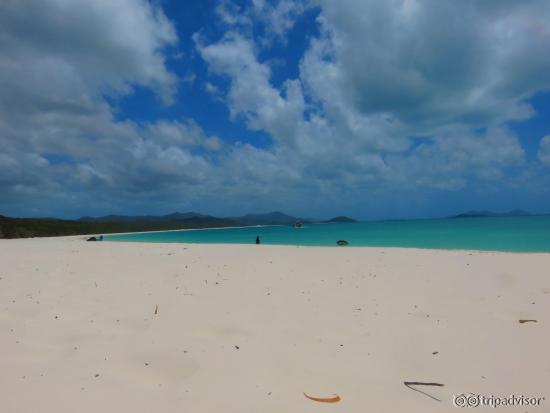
420 383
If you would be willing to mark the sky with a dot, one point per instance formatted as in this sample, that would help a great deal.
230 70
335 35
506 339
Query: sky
368 108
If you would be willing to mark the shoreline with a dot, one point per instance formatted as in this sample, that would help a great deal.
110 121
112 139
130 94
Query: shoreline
263 245
183 229
329 246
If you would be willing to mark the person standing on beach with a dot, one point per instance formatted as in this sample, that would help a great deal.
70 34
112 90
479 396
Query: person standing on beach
257 240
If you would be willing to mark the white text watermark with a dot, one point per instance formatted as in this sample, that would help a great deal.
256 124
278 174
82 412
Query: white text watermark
478 400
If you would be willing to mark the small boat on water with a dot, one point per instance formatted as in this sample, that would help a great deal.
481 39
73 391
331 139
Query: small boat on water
342 242
297 224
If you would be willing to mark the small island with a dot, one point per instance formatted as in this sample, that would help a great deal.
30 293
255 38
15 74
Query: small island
340 219
485 214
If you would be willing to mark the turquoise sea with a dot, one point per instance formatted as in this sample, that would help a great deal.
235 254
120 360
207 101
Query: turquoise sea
519 234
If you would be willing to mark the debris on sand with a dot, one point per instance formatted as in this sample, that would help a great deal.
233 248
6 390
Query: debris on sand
420 383
527 321
332 399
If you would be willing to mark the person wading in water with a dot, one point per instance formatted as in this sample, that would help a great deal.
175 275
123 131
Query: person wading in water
257 239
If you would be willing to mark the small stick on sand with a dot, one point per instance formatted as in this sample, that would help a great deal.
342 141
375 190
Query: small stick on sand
333 399
156 310
528 321
420 383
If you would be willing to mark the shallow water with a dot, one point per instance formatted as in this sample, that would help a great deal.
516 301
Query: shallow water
520 234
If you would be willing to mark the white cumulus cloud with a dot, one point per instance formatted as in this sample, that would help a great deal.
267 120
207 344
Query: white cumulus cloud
388 97
544 150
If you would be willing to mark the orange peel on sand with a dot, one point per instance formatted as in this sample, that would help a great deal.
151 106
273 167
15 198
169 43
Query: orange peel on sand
333 399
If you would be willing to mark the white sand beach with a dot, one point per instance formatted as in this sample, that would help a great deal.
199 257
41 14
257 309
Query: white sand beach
246 328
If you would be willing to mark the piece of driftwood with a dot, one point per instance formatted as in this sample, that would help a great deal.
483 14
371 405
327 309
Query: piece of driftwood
409 384
527 321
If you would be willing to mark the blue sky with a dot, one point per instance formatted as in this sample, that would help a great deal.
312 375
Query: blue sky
394 109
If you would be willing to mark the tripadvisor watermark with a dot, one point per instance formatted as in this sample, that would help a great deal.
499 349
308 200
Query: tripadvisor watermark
478 400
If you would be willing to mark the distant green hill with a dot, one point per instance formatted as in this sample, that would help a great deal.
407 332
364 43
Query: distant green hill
49 227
